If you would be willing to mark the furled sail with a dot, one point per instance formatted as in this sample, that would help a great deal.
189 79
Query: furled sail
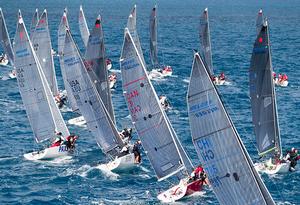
61 40
89 101
262 93
219 147
153 37
42 111
131 25
83 27
41 42
34 22
205 44
5 40
95 62
156 133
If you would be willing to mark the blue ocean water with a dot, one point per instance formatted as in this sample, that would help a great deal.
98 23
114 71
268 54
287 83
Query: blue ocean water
78 181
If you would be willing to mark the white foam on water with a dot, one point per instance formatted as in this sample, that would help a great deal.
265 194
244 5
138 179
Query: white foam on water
107 173
114 70
186 80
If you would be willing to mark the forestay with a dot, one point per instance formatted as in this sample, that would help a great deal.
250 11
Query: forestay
34 22
262 93
89 101
153 37
42 45
96 66
61 40
219 147
154 130
5 40
205 44
42 111
131 25
83 27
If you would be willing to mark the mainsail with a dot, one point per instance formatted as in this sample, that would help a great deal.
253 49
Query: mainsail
83 27
153 37
262 93
219 147
131 25
61 40
205 44
89 101
156 133
41 42
4 39
42 111
34 22
95 62
259 21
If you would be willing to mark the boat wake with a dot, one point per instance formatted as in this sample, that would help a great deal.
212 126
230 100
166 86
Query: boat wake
107 173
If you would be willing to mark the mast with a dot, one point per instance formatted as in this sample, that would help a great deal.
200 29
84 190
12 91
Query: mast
153 37
83 27
156 133
262 96
218 145
5 40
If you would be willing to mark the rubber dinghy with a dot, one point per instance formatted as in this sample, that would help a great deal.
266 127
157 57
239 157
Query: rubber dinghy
43 114
264 106
88 87
159 140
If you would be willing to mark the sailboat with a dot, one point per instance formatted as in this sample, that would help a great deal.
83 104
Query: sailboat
8 55
222 154
43 114
281 80
153 127
91 105
206 52
264 107
41 43
158 70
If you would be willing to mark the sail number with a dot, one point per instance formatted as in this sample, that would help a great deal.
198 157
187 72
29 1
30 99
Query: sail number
74 84
134 109
20 75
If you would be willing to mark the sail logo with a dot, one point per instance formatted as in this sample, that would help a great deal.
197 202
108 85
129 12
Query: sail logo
260 49
128 64
22 53
72 61
203 108
267 101
40 30
95 40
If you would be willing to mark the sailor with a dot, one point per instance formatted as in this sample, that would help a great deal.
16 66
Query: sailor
167 69
126 134
108 61
136 151
164 102
279 77
222 76
199 173
70 141
112 77
60 100
293 157
274 75
284 77
58 140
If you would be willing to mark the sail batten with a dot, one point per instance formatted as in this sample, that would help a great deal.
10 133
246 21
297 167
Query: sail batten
218 145
153 128
262 96
89 101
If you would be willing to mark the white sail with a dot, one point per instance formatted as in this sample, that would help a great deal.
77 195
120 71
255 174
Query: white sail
131 25
95 61
218 145
34 22
5 40
89 101
263 98
42 111
156 133
41 42
61 41
83 27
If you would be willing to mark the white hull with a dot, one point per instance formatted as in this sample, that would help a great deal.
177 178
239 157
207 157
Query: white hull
4 62
281 83
112 84
12 75
122 163
219 82
79 121
155 73
48 153
269 168
108 66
